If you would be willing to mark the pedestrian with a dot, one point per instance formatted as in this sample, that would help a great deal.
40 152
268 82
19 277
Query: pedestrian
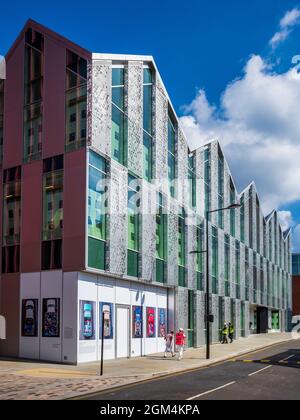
169 344
224 334
230 332
180 342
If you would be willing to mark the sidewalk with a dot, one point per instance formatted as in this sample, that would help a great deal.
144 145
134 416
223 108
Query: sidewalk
33 380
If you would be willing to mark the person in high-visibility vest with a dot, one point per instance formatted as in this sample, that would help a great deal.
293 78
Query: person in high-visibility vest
230 332
224 334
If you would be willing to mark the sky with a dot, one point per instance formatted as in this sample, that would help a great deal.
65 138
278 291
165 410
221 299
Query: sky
227 67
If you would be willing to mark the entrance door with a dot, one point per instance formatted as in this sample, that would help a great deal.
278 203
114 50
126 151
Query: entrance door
122 331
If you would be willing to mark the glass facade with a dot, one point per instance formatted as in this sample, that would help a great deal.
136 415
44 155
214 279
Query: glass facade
133 226
119 118
52 234
11 221
76 102
227 264
147 124
181 247
192 180
207 179
232 212
161 239
220 188
171 155
242 218
296 264
97 211
237 269
215 260
199 257
33 95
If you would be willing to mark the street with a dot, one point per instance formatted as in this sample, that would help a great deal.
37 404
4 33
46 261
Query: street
269 374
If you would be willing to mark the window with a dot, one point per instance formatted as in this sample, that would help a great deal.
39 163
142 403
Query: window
161 239
97 205
192 180
76 102
133 226
254 278
171 155
1 117
220 188
11 227
232 212
33 96
227 264
52 255
53 198
119 118
147 123
237 269
242 218
247 274
250 218
181 247
262 281
214 254
207 179
199 257
257 226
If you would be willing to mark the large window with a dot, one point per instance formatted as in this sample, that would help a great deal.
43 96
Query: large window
133 226
254 278
247 273
11 220
199 257
192 180
171 155
161 239
242 218
97 206
227 264
250 218
33 97
119 117
237 269
207 179
214 256
1 117
181 247
232 212
147 124
76 102
257 226
220 188
52 213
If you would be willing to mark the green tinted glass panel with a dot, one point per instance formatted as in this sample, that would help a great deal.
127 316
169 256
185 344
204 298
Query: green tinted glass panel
97 204
147 155
118 97
147 76
119 136
147 113
132 263
181 276
96 254
117 76
160 271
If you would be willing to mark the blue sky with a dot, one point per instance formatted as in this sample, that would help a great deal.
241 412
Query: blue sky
202 44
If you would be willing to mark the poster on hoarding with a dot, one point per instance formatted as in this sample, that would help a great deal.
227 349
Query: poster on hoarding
87 320
137 322
51 307
162 322
106 310
150 316
30 318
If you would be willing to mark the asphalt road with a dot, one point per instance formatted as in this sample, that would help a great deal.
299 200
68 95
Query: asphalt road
269 374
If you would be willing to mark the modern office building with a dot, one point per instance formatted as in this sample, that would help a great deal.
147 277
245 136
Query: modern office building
103 206
296 283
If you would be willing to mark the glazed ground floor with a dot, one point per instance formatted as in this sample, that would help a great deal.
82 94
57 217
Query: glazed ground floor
62 317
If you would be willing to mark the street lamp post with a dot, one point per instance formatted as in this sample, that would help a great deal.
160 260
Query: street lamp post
207 306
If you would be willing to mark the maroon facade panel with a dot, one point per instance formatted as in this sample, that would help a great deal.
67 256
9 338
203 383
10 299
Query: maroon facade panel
54 93
74 211
31 217
10 309
296 295
14 105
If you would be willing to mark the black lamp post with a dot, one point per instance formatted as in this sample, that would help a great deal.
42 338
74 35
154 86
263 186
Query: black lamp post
208 316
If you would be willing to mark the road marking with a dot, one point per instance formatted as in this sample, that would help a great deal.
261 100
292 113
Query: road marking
209 392
283 360
260 370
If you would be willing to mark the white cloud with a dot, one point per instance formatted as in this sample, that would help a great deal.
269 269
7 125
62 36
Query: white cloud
258 124
287 23
285 219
